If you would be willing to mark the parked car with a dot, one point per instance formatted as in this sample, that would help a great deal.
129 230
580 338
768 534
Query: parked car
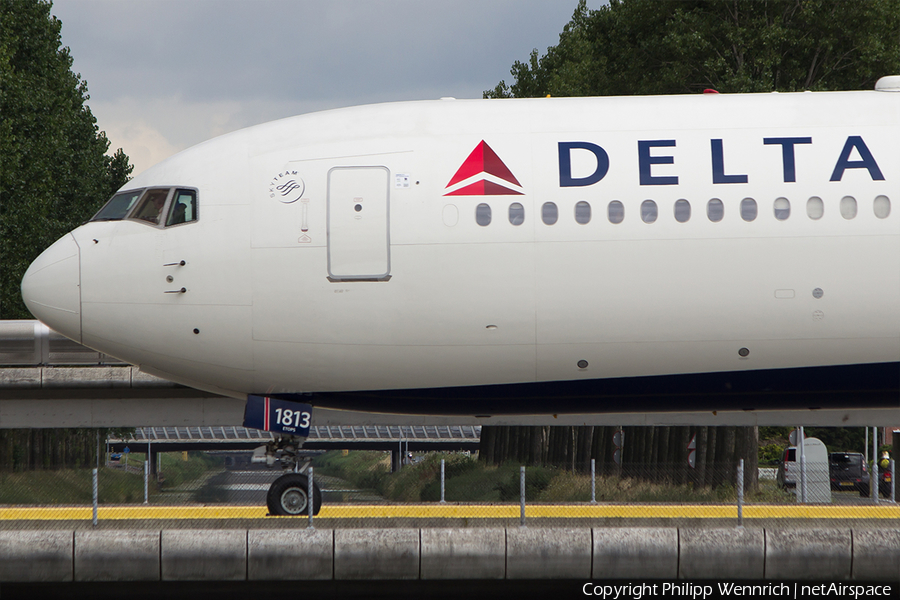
848 471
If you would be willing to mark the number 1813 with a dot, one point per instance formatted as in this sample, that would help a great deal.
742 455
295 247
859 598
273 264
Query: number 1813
292 418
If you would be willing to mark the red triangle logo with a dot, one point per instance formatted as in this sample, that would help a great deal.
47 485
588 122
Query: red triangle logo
483 159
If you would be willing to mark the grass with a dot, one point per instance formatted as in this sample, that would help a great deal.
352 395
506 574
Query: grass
70 486
115 485
467 480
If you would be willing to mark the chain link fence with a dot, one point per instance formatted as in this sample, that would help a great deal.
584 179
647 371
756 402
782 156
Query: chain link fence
436 488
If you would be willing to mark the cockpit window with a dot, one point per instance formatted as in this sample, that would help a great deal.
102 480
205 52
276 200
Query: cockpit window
154 206
118 206
151 206
183 208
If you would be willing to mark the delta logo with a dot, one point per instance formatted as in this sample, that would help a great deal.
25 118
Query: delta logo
483 174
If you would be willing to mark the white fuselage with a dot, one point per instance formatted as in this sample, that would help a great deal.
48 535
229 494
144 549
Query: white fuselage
341 251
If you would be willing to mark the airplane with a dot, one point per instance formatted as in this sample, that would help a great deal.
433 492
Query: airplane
708 259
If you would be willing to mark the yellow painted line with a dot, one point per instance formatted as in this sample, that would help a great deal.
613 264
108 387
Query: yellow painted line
61 513
634 511
756 511
421 511
459 511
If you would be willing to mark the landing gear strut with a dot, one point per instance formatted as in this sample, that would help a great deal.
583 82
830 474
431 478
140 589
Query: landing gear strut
289 494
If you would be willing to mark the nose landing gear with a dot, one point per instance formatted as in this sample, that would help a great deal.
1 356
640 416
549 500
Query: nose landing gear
289 494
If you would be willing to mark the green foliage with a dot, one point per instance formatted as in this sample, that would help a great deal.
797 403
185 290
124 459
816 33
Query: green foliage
70 486
840 439
363 469
469 480
537 479
54 173
652 47
773 434
770 455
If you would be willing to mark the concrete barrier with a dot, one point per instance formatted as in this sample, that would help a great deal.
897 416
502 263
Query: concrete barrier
44 556
734 553
203 555
117 555
463 554
376 554
290 555
434 554
623 553
823 554
876 554
557 553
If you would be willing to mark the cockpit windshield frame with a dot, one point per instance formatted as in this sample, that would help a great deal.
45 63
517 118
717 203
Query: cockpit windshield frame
157 206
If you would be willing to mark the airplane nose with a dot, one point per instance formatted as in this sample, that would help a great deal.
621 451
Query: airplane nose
51 287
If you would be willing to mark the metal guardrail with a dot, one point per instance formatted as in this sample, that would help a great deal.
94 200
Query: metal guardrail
362 433
31 343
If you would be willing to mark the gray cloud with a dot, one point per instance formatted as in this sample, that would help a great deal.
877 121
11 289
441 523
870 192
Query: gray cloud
165 74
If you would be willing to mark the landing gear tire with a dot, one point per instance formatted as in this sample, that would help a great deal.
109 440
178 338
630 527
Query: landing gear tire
289 496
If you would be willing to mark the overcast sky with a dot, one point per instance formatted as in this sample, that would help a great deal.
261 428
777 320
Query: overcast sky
164 75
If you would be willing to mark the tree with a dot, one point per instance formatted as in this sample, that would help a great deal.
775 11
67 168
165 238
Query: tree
54 171
650 47
54 174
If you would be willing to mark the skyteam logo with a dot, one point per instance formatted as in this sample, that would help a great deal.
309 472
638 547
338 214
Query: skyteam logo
483 174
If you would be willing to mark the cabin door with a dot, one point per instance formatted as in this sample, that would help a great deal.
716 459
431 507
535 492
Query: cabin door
358 224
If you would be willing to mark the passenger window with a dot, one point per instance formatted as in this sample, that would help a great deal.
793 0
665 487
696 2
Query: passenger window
582 213
715 210
615 212
815 208
516 213
682 211
782 208
748 209
117 207
151 206
848 207
882 207
483 215
183 209
549 213
649 211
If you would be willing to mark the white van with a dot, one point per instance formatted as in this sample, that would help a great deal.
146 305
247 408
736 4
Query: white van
818 479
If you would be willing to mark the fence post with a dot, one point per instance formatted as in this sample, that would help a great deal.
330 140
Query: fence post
147 480
442 481
96 490
310 499
873 476
522 496
740 492
593 481
802 444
